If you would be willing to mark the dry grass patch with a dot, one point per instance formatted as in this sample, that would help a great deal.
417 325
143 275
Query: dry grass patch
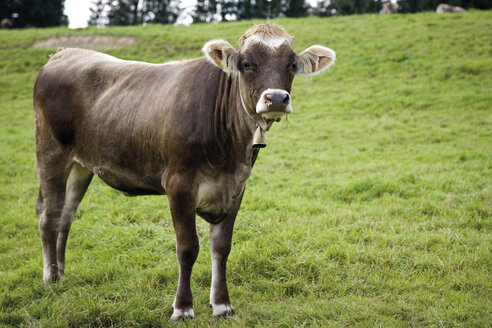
100 42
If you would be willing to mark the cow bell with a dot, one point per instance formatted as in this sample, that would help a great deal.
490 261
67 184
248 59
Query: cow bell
259 138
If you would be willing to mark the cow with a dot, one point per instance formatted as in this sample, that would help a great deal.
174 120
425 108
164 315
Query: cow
185 129
445 8
389 8
6 23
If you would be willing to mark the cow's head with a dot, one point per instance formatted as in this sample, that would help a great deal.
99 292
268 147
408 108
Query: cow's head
266 64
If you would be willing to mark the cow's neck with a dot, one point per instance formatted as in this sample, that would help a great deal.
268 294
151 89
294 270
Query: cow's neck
234 127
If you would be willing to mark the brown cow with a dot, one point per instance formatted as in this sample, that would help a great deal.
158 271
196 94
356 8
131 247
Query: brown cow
6 23
184 129
445 8
389 8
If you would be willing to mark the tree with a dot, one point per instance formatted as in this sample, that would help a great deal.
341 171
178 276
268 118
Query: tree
348 7
248 9
160 11
296 8
413 6
124 12
133 12
98 17
34 13
204 11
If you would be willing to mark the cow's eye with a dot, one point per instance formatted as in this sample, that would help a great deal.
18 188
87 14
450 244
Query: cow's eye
293 67
247 66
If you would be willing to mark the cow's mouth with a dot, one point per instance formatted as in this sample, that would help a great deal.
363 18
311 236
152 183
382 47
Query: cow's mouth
273 115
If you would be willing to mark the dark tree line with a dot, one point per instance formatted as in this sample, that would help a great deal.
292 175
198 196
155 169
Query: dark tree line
42 13
131 12
347 7
206 10
33 13
134 12
350 7
413 6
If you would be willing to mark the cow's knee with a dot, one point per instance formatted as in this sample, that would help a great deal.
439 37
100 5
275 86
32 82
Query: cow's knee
39 204
188 255
48 224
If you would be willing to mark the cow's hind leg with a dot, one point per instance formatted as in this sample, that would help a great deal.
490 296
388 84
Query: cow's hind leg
62 187
77 183
52 179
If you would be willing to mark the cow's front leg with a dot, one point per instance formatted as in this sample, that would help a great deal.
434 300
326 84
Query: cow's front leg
220 246
182 205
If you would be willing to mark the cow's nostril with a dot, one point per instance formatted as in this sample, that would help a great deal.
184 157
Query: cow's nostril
286 100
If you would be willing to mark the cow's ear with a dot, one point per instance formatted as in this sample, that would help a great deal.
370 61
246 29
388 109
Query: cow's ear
314 60
222 54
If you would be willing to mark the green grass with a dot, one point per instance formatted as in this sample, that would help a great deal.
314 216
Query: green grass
371 206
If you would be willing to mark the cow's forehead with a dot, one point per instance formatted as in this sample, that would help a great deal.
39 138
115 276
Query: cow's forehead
264 54
270 35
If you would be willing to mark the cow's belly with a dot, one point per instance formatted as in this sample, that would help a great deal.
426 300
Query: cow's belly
128 182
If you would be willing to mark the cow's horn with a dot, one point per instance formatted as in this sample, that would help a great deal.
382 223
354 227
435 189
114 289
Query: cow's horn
259 138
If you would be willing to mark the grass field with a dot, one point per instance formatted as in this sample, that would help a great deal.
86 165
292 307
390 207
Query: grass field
371 206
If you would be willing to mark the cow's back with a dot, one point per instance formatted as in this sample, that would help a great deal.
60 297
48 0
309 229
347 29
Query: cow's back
120 116
78 87
70 87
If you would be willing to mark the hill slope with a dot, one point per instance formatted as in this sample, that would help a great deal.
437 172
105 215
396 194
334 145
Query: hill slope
371 206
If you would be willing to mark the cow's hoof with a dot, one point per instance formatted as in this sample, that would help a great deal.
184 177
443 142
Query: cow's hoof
50 280
50 276
182 314
223 310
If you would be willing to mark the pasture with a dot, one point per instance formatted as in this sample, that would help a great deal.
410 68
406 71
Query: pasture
370 206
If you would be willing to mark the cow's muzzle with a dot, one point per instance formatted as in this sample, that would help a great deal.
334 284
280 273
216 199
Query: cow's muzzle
274 103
